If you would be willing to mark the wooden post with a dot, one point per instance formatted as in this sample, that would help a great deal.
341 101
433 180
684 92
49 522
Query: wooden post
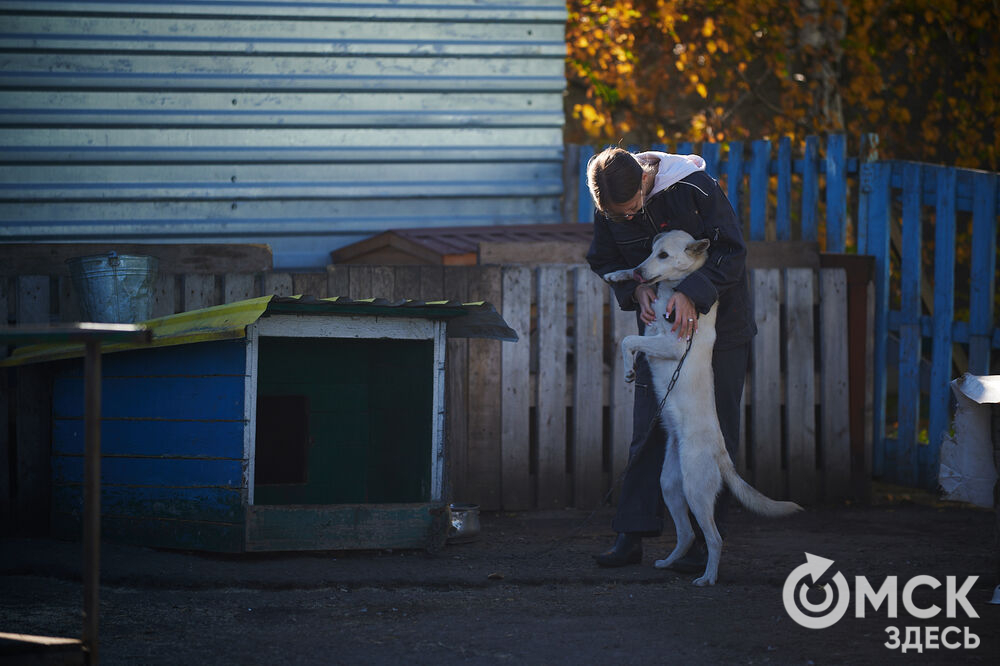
588 385
800 382
552 292
515 449
92 498
766 380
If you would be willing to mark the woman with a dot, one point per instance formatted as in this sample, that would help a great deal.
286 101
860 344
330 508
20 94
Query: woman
637 197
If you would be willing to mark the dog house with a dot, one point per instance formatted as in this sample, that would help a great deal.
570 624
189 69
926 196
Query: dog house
268 424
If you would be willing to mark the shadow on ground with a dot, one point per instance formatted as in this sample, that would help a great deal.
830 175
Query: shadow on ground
527 592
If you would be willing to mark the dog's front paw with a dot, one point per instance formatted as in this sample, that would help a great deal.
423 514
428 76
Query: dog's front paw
618 276
629 376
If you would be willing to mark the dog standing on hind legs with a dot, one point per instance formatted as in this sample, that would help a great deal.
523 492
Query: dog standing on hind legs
696 463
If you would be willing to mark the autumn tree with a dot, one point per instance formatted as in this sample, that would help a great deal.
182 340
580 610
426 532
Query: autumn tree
923 74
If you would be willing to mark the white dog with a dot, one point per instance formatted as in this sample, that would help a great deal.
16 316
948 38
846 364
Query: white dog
696 461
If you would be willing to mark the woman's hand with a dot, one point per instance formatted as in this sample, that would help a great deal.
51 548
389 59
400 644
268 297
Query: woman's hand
685 315
644 296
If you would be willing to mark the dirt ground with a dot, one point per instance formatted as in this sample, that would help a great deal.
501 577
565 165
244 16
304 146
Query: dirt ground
527 592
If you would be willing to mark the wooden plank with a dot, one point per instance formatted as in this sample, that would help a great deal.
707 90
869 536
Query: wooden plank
759 181
383 282
515 445
68 308
800 384
338 281
456 279
810 189
238 287
222 505
157 533
485 392
878 207
535 252
6 443
862 470
982 271
278 284
345 527
834 387
199 291
153 471
361 282
199 258
406 283
782 254
734 176
33 441
766 381
710 153
836 192
588 389
944 314
212 397
309 284
866 173
551 410
166 295
33 300
910 347
622 395
783 209
431 283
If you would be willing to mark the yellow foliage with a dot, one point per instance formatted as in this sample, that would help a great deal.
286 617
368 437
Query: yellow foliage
896 61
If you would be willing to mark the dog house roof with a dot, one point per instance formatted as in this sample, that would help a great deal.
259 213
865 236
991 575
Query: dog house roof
220 322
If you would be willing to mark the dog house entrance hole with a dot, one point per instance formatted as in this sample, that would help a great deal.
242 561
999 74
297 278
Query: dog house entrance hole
343 421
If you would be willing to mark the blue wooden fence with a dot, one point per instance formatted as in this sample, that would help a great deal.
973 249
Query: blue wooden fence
814 193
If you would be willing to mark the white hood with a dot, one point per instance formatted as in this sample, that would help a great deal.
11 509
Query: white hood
672 168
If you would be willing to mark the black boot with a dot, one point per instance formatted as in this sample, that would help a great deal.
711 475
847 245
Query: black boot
627 550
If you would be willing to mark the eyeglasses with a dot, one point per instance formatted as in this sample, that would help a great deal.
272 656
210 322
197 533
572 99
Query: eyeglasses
628 209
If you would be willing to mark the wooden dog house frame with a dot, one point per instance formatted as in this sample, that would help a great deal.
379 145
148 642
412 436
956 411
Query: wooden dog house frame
350 395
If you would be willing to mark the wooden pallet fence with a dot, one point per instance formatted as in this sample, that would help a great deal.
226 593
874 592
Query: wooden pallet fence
546 422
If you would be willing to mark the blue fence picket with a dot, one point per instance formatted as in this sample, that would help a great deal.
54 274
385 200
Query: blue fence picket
734 173
909 331
783 211
836 193
878 209
710 153
982 271
810 188
685 148
760 160
944 307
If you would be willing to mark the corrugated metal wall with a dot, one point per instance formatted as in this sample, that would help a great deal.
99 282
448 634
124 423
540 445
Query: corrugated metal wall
307 125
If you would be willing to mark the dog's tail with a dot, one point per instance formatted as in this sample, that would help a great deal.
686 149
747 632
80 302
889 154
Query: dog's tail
750 497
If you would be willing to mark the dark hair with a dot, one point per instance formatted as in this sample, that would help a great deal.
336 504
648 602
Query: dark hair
613 177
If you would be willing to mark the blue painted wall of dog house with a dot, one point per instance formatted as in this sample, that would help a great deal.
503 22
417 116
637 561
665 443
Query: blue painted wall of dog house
172 442
174 468
307 125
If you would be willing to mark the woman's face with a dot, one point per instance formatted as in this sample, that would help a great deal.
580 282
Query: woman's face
626 211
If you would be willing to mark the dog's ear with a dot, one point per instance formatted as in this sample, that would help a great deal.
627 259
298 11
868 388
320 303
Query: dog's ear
697 248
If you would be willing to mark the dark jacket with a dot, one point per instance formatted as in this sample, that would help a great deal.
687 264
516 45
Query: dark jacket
697 205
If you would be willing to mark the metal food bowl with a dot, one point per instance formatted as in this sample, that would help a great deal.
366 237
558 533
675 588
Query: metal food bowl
464 523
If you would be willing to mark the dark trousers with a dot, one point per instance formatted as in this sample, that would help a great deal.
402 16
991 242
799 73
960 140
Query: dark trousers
640 504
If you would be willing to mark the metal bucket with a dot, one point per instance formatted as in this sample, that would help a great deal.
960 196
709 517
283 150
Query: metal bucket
114 288
464 523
